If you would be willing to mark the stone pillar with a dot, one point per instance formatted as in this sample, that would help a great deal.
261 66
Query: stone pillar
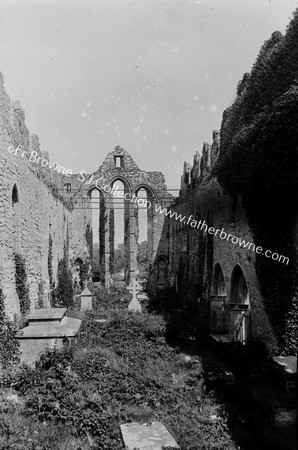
133 240
107 247
104 240
150 231
154 227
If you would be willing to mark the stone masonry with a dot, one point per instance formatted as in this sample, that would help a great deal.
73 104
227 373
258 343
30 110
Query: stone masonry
30 209
39 204
209 272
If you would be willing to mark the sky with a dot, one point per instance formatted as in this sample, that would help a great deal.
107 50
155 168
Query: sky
153 76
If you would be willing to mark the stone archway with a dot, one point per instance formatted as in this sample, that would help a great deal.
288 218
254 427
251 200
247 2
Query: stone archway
118 165
218 287
218 296
239 292
239 322
145 228
161 273
119 217
94 232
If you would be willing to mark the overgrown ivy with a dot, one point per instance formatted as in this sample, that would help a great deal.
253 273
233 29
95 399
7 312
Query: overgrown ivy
85 272
9 346
21 283
62 296
50 261
89 239
102 248
112 240
259 161
40 295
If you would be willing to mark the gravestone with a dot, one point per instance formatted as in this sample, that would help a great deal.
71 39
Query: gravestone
147 436
134 288
47 328
86 298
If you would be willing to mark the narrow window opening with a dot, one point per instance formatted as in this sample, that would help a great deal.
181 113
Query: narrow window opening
15 196
118 161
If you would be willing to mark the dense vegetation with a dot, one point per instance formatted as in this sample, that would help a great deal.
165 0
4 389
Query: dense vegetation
119 262
117 372
258 161
21 283
9 346
62 295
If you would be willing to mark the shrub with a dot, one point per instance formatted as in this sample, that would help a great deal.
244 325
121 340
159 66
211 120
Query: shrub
21 283
9 346
63 294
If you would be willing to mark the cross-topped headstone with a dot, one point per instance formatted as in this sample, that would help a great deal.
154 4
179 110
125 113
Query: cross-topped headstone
134 288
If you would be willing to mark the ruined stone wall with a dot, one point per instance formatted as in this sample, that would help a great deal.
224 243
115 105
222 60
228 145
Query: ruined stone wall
30 209
194 253
133 178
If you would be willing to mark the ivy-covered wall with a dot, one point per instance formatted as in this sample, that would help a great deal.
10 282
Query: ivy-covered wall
246 182
33 215
259 161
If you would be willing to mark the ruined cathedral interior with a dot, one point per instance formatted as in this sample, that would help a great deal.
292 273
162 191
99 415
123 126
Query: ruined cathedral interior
48 215
136 313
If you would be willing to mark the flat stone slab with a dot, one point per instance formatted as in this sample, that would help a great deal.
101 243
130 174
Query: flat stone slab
288 362
222 337
42 316
68 327
145 436
35 339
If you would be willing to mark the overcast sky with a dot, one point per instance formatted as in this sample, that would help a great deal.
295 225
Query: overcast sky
152 76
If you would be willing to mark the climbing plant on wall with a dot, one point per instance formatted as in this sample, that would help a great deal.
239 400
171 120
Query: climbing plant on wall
85 272
40 295
64 292
21 283
50 261
8 344
89 239
112 239
259 161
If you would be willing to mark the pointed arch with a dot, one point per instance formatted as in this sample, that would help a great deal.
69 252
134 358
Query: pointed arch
238 291
14 195
218 286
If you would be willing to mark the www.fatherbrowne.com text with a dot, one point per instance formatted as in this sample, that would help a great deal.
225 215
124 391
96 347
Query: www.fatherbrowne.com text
188 221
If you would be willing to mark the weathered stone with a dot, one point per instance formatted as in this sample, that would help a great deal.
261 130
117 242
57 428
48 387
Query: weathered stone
152 436
38 204
288 362
47 329
52 316
86 299
134 304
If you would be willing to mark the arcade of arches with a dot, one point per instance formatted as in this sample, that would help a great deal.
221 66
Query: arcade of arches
44 212
115 221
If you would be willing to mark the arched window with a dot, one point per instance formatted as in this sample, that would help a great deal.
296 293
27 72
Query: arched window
161 272
119 237
218 283
15 220
239 291
95 233
218 312
15 195
240 323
